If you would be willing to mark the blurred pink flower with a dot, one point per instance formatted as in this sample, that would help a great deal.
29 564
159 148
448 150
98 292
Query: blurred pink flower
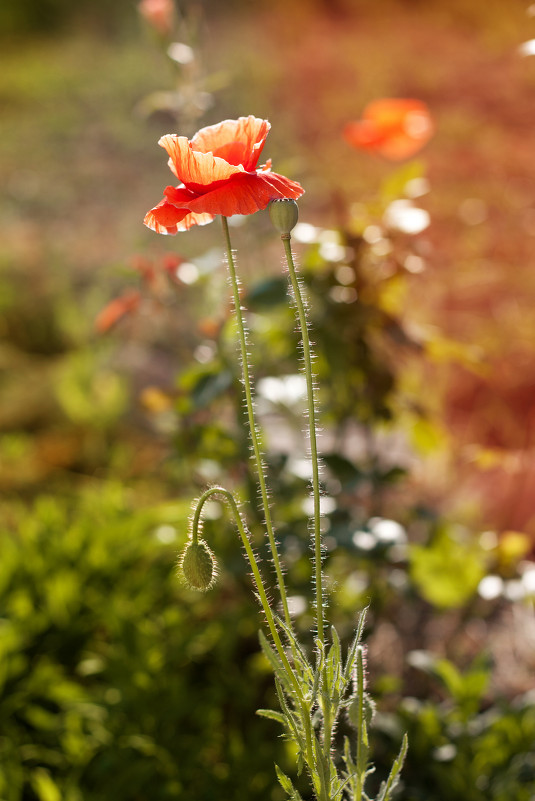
159 14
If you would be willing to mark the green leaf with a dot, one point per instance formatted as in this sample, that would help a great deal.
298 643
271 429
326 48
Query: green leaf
348 759
345 471
276 664
427 436
268 293
272 715
447 572
335 649
300 658
387 788
44 786
352 654
394 186
285 781
211 386
286 784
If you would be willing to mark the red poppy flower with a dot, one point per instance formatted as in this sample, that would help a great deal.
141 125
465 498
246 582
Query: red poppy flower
395 128
219 175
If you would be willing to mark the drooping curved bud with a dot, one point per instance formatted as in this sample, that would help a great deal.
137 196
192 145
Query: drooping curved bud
198 565
284 215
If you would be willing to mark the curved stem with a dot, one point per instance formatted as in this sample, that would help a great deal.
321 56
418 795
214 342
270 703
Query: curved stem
252 424
229 498
309 375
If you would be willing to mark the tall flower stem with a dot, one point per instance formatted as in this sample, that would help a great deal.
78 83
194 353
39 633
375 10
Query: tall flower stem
246 374
309 375
304 704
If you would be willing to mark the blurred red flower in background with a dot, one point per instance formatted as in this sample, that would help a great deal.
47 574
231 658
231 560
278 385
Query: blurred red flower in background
218 171
395 128
160 14
116 309
157 275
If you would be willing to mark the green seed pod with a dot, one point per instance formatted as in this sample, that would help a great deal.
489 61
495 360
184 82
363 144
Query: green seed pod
284 215
198 565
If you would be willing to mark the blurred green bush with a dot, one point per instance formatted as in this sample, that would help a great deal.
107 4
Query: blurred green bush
118 683
463 747
113 683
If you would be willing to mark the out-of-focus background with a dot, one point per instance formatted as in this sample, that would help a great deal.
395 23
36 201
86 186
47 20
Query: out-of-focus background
120 393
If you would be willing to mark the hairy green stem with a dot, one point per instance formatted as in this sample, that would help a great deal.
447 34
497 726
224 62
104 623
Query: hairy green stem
229 498
309 375
361 726
252 424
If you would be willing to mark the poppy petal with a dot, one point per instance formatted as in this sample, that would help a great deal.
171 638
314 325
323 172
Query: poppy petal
179 196
165 218
237 141
284 187
246 193
195 218
193 168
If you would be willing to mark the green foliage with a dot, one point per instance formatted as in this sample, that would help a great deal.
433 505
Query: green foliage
89 394
462 747
112 683
447 571
310 717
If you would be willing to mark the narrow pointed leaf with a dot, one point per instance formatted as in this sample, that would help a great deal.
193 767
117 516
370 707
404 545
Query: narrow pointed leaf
350 662
386 790
276 664
272 715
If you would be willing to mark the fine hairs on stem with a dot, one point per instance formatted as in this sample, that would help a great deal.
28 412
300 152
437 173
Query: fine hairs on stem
246 375
219 176
313 696
311 415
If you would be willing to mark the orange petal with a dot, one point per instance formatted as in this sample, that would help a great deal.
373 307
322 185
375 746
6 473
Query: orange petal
364 135
237 141
116 309
194 218
284 187
164 218
395 128
195 169
246 193
168 219
179 196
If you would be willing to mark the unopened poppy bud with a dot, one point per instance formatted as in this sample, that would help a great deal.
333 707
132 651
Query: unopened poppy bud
284 215
198 565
